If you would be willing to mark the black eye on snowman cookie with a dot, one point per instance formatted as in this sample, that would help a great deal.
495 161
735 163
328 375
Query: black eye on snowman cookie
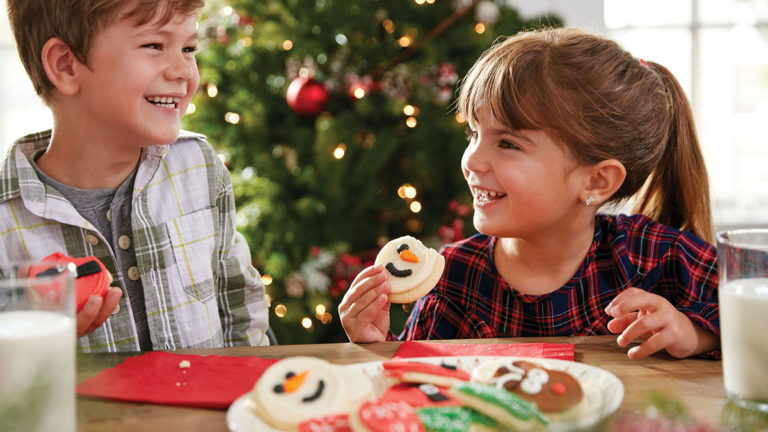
413 267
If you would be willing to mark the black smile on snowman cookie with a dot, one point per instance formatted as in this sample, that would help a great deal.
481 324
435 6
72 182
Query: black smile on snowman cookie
293 382
405 254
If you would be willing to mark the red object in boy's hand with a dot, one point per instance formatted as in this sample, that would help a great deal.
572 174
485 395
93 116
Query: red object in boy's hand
92 277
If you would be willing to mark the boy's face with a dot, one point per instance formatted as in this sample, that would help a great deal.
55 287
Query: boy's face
139 80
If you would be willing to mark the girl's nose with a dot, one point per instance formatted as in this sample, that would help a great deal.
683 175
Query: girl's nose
473 159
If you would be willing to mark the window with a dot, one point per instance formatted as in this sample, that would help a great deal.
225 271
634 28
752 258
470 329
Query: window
21 111
718 49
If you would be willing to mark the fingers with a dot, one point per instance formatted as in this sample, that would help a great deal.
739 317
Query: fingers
655 343
642 328
618 325
364 310
86 315
96 311
631 300
367 286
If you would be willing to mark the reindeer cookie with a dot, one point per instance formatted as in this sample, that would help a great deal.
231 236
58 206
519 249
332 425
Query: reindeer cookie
552 391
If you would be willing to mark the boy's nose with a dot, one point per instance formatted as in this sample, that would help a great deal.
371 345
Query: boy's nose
180 68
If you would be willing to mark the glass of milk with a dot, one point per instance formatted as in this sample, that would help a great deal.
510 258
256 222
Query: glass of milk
37 347
743 296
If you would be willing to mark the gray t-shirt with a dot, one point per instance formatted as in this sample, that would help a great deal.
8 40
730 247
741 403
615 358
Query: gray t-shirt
109 210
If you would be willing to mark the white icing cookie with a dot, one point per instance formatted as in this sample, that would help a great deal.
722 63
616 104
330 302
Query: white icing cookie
359 386
297 389
414 269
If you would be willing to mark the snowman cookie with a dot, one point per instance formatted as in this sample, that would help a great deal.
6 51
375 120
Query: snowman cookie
296 389
413 268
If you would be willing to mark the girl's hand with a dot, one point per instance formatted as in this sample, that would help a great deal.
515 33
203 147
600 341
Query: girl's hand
96 311
364 310
639 314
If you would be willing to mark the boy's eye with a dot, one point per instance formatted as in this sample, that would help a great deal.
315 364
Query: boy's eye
189 49
153 46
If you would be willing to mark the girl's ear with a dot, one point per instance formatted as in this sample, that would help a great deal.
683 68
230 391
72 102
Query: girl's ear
60 65
605 178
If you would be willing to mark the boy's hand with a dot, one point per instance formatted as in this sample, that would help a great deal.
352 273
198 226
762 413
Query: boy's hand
639 314
364 310
96 311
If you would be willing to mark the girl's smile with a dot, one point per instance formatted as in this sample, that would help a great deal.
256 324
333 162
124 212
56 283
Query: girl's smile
484 197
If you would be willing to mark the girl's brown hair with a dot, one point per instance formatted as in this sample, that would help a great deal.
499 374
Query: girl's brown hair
76 22
602 103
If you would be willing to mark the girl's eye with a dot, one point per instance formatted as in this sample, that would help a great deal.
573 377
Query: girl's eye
190 50
152 46
470 134
508 145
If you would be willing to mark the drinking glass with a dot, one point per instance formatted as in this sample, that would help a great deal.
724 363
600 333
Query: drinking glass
37 346
743 296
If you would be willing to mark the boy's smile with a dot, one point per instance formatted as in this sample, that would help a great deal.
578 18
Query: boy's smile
139 81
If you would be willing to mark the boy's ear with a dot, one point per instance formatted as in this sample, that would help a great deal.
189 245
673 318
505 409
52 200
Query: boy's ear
59 63
605 178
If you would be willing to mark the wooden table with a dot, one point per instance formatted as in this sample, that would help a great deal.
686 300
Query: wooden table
696 383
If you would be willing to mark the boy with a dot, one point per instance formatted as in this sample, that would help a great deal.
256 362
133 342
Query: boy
116 179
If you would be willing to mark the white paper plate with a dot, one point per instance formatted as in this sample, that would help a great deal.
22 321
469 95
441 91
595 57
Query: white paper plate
603 393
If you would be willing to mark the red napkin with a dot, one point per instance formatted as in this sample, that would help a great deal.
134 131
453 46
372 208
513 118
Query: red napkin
538 350
158 377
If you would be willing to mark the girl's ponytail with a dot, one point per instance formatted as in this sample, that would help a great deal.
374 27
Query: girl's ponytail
677 191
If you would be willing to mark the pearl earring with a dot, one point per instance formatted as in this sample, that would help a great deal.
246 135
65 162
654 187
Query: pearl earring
590 200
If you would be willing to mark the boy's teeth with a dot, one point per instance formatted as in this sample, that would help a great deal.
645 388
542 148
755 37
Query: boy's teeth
164 100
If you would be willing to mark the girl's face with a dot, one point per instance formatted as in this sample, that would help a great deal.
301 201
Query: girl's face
523 182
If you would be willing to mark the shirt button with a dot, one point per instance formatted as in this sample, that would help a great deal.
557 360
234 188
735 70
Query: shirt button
124 242
109 215
91 239
133 273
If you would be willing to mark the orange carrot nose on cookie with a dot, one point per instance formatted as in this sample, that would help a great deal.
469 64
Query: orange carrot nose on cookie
407 255
293 383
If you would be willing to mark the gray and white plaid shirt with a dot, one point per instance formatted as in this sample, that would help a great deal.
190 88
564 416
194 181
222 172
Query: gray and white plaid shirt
199 285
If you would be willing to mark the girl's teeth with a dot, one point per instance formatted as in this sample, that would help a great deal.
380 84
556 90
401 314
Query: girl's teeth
485 196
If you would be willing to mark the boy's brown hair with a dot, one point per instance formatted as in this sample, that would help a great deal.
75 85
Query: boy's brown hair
76 22
602 103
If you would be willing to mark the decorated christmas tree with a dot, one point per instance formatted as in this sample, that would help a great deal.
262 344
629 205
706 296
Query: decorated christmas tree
335 119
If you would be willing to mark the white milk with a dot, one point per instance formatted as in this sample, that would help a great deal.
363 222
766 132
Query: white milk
744 327
37 372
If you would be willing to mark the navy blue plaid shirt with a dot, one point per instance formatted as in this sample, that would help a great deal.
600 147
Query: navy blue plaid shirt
472 300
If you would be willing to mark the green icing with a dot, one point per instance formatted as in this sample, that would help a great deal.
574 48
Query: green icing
445 419
511 402
452 418
482 419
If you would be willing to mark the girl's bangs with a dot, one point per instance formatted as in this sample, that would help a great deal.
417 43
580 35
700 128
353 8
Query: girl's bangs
505 86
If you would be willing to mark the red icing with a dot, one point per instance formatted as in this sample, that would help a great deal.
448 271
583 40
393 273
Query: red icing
389 416
414 397
558 388
329 423
85 286
396 369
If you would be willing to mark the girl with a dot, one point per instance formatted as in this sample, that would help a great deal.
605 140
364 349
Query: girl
562 122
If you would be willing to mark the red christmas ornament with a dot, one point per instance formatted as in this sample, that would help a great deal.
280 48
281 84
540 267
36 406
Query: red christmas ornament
306 96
